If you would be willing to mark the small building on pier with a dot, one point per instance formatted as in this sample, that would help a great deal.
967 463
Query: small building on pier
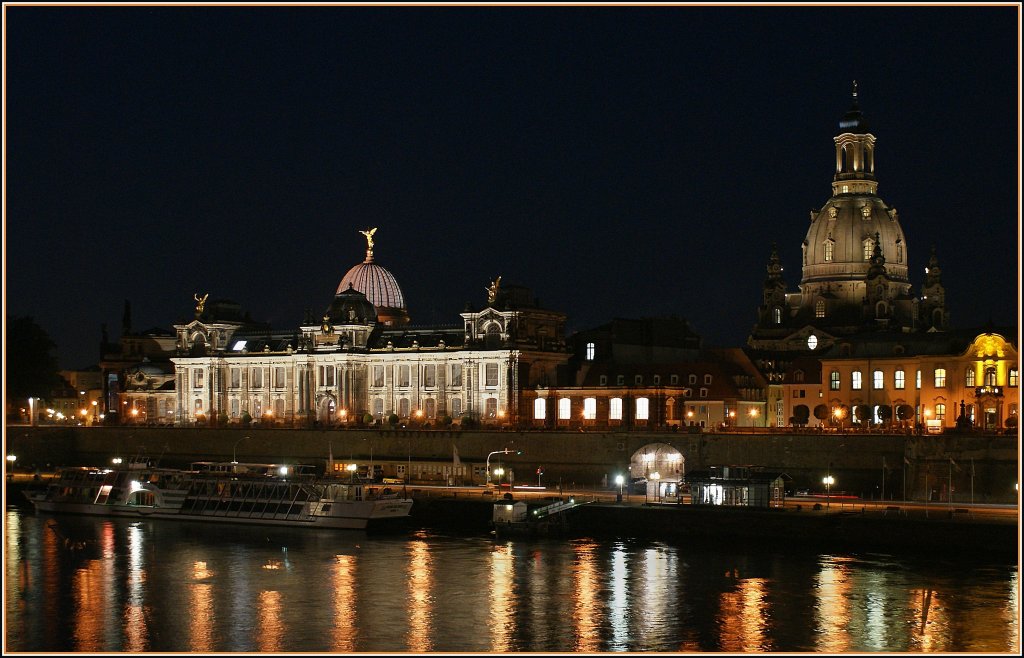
737 486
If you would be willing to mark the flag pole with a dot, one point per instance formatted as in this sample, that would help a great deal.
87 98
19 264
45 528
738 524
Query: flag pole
972 480
883 478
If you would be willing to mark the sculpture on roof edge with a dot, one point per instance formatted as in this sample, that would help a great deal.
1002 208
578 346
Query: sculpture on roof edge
492 291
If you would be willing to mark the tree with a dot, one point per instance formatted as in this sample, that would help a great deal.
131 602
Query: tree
31 360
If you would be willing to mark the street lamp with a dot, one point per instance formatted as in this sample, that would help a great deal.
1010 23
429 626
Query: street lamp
753 417
499 472
10 460
95 411
619 480
234 459
828 480
838 414
487 462
656 476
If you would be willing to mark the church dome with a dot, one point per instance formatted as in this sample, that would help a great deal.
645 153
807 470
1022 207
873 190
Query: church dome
378 285
841 240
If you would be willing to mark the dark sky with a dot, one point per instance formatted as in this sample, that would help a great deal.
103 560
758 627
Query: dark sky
619 161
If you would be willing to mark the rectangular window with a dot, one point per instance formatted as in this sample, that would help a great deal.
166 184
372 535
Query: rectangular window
833 380
918 379
899 379
403 376
378 376
590 351
234 408
491 374
940 378
589 408
1014 377
197 378
857 380
430 376
564 408
236 377
327 375
878 379
257 378
642 408
940 412
278 377
615 409
456 407
456 374
540 409
969 378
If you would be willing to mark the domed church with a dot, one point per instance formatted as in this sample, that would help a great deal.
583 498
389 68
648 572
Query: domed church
378 285
855 271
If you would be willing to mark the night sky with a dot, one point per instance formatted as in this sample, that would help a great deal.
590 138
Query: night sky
620 161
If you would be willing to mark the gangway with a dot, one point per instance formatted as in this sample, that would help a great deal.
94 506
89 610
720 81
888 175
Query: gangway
555 508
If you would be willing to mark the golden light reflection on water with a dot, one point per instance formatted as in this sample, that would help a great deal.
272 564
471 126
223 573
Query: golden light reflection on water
618 606
91 587
586 605
269 629
832 608
421 602
502 598
742 617
345 632
135 632
201 614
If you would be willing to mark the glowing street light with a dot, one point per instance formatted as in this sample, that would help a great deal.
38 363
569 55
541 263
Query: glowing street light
656 476
619 480
499 472
828 481
10 460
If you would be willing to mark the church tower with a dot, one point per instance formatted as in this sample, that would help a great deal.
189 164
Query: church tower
855 275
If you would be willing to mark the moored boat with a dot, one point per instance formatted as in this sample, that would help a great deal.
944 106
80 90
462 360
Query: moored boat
227 492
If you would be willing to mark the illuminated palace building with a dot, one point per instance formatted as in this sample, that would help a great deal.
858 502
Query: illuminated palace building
363 357
855 345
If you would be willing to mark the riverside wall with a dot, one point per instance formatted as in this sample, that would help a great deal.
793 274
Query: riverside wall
980 467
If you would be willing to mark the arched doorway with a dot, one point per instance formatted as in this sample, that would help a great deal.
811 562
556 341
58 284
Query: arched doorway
325 410
657 470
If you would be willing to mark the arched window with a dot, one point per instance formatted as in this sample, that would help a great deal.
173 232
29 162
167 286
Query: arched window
990 376
940 378
856 380
615 409
430 406
899 252
491 407
540 408
378 407
590 351
940 412
900 379
589 408
492 338
564 408
830 247
819 308
869 247
878 379
403 408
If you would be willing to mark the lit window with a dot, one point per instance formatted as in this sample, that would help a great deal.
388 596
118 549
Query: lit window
829 250
777 315
589 408
940 378
857 380
990 376
403 375
456 374
615 409
642 408
539 409
969 376
899 379
846 189
590 351
917 379
819 308
833 380
564 408
940 412
491 408
378 376
1014 377
869 246
197 378
878 379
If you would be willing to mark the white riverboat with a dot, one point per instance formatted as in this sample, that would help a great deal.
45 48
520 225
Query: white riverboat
227 492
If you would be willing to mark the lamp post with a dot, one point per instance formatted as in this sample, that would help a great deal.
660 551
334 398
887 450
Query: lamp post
31 412
10 460
487 462
656 476
618 480
828 480
499 472
753 417
838 414
234 458
95 412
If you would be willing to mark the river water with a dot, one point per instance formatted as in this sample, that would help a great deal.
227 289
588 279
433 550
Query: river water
167 586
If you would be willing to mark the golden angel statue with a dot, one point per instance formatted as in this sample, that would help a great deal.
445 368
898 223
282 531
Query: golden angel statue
492 291
200 302
369 236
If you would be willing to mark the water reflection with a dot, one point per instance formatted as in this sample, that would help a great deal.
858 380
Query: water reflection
151 587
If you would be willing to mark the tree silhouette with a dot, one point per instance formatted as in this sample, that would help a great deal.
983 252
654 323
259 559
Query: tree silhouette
31 360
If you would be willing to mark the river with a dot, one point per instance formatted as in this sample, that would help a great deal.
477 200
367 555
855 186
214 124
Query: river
77 584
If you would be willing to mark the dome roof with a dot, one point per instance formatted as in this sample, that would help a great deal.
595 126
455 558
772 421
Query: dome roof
841 240
351 307
375 282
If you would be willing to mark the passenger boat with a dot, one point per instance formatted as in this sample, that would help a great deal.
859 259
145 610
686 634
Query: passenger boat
228 492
